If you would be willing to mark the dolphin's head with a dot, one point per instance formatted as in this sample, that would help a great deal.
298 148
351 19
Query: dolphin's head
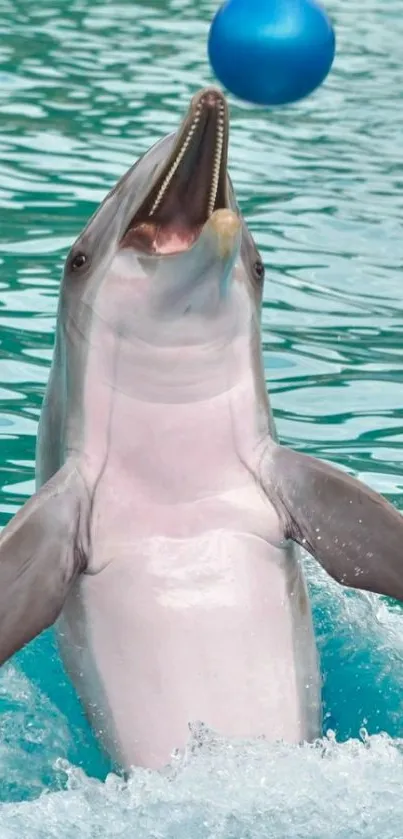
161 293
164 252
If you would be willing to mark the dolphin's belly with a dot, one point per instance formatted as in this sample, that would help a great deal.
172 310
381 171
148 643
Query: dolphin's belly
215 629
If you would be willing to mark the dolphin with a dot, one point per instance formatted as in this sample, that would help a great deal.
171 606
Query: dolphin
163 538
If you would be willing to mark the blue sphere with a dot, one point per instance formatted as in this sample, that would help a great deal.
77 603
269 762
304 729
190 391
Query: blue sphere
271 52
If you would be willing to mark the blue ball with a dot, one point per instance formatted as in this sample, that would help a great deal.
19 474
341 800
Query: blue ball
271 52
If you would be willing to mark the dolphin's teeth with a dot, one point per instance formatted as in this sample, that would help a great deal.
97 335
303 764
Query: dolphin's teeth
217 162
168 178
216 165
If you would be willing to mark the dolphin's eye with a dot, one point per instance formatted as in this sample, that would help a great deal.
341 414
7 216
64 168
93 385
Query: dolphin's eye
259 269
78 262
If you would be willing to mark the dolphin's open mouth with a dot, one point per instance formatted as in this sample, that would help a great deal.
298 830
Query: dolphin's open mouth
191 185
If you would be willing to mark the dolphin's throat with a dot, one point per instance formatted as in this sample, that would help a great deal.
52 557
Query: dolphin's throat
191 185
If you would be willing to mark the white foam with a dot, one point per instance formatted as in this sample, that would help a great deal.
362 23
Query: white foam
226 791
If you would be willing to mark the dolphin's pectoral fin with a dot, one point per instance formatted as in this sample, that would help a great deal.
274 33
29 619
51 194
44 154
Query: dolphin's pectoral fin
41 553
352 531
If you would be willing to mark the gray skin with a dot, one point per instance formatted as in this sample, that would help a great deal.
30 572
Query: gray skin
161 538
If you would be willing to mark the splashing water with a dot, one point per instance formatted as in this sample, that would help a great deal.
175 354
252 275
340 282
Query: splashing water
222 790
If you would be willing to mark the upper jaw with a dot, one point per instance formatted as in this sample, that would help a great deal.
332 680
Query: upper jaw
190 185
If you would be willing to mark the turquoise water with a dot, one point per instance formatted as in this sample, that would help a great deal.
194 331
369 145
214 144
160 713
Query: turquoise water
84 89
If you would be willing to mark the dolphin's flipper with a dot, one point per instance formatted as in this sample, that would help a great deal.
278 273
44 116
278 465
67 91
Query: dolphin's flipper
42 550
352 531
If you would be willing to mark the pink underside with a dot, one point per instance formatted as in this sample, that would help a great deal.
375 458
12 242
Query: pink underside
180 632
185 614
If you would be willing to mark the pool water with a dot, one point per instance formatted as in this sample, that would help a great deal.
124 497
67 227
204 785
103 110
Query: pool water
84 89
